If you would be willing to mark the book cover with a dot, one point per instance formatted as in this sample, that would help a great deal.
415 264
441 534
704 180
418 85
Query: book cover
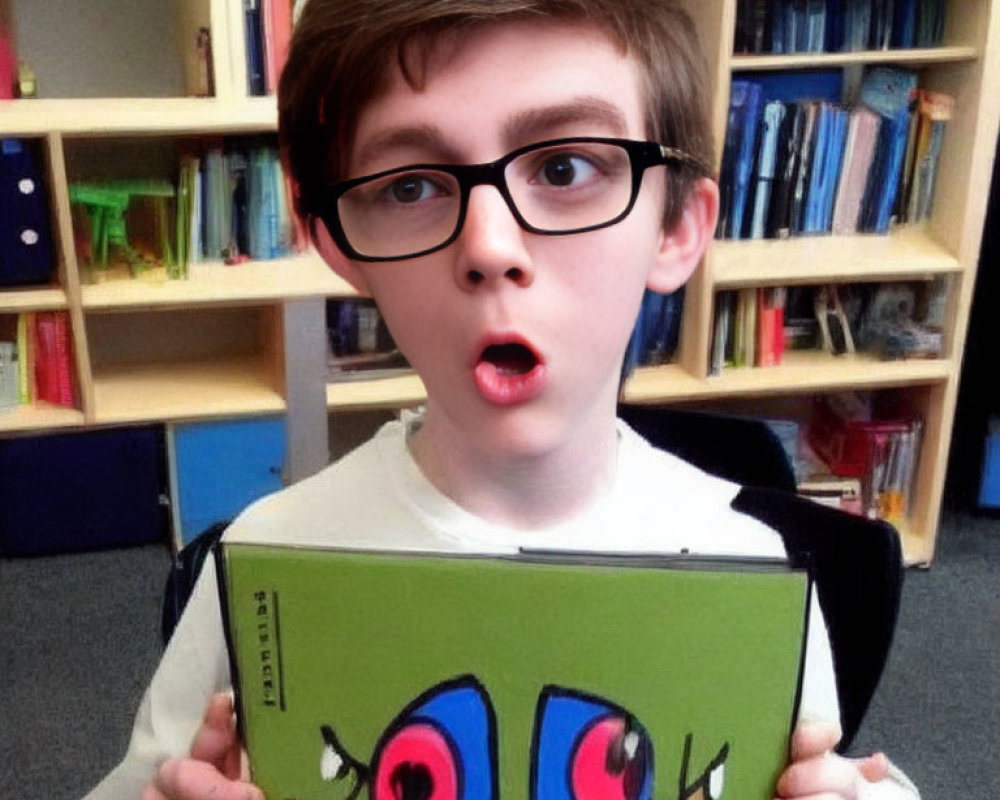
859 150
8 63
254 47
393 675
771 121
277 33
8 375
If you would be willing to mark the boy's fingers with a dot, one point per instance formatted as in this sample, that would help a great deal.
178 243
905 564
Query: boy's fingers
187 779
813 739
874 768
216 740
821 776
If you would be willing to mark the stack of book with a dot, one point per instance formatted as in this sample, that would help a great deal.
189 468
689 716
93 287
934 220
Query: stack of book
858 439
816 26
749 328
657 330
359 345
238 204
36 360
797 165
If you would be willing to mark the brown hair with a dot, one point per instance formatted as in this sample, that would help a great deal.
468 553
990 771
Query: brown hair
342 52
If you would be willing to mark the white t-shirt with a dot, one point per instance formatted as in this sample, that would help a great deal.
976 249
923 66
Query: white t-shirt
377 498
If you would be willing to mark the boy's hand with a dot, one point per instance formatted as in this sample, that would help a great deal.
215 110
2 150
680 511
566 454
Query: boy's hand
817 772
214 769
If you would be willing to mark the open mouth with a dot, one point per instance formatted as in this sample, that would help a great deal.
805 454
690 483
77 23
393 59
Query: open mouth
509 372
510 359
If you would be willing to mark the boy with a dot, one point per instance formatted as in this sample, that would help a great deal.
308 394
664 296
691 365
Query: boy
512 287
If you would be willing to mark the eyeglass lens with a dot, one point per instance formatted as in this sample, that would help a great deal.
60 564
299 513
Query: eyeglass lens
555 189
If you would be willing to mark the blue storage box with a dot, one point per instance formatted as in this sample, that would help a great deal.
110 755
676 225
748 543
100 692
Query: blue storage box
989 484
219 468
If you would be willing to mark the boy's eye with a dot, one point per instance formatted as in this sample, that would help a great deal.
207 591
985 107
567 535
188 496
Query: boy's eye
412 189
565 169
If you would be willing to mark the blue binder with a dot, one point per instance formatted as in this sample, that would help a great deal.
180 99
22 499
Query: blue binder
25 234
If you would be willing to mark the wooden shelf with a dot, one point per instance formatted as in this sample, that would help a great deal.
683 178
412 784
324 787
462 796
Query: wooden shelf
910 58
800 371
194 389
38 416
14 301
215 283
358 395
160 115
907 253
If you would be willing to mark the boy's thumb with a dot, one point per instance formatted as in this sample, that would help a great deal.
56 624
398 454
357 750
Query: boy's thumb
874 768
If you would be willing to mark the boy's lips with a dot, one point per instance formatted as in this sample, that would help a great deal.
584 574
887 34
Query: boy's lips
508 371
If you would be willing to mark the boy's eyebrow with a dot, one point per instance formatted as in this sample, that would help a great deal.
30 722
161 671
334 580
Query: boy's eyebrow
538 123
418 137
523 128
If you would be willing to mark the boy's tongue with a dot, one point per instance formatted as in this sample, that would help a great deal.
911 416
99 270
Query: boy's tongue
509 373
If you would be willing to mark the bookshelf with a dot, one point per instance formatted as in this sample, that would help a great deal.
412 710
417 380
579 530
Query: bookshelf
148 348
216 345
966 66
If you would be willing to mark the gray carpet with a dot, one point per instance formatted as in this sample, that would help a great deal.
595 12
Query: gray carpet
79 638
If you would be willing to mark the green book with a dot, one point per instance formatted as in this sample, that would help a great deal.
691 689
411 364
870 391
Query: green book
400 676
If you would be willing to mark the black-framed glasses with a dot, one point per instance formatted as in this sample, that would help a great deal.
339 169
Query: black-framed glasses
556 187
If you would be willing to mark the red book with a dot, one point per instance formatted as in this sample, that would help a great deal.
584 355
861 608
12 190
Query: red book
277 24
8 65
64 362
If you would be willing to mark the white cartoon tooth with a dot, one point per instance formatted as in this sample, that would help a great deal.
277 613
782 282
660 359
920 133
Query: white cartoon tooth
716 781
330 763
631 744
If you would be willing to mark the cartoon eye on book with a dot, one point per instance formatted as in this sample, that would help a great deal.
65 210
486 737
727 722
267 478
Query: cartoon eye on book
442 746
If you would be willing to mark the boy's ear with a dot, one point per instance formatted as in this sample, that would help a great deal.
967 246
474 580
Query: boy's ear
335 259
682 247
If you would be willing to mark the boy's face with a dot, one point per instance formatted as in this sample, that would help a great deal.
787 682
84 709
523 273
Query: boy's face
565 305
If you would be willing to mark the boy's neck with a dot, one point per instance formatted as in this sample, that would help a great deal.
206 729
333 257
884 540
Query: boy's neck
529 492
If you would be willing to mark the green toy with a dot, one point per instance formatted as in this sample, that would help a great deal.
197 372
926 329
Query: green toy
106 203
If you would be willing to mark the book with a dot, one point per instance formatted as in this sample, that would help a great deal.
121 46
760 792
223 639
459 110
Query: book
934 110
770 325
53 375
831 133
889 92
253 30
8 375
474 676
859 149
738 156
8 63
771 121
277 35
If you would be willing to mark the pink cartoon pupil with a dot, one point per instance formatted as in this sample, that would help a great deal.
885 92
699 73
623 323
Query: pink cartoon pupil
416 763
609 762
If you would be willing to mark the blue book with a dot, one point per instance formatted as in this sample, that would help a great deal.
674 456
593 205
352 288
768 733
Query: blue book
255 48
777 26
746 96
831 131
889 91
767 159
904 23
815 27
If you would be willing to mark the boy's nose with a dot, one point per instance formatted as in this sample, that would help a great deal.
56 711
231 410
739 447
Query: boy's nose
491 245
